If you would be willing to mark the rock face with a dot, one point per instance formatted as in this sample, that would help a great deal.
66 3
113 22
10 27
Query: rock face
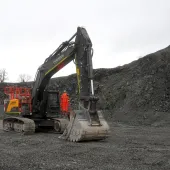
135 93
141 85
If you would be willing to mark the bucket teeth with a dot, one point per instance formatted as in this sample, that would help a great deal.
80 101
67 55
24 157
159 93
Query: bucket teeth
79 129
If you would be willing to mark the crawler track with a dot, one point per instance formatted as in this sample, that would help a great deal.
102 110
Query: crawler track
24 126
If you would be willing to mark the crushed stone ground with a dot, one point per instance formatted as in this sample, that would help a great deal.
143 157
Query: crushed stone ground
128 148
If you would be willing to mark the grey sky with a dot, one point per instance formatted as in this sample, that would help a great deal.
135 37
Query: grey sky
120 31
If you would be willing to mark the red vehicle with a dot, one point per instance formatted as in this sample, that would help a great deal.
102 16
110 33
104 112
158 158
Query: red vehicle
18 97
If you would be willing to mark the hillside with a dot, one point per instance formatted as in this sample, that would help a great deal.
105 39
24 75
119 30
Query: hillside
135 93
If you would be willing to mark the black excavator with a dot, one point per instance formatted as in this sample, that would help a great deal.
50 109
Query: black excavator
86 123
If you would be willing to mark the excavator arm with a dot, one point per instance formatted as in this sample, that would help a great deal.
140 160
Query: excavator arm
79 50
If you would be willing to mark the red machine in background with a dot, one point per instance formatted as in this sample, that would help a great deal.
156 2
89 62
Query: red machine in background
17 97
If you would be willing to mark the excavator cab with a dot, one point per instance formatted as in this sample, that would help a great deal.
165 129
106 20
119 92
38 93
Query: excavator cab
53 104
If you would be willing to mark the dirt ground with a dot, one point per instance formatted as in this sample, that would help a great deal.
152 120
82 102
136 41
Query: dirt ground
128 148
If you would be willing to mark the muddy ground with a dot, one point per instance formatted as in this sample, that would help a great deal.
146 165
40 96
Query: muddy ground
128 148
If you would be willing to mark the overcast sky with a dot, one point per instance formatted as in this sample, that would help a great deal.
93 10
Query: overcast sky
120 30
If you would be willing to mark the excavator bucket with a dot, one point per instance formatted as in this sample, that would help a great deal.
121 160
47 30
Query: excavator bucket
81 129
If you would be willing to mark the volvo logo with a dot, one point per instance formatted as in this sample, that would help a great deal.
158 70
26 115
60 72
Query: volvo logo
58 58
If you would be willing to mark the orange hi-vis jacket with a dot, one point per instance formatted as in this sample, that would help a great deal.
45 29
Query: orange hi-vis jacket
64 102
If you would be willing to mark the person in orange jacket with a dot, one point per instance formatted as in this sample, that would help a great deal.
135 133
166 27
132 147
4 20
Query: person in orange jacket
64 103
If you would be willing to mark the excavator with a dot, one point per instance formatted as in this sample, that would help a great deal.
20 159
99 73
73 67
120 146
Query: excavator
86 123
